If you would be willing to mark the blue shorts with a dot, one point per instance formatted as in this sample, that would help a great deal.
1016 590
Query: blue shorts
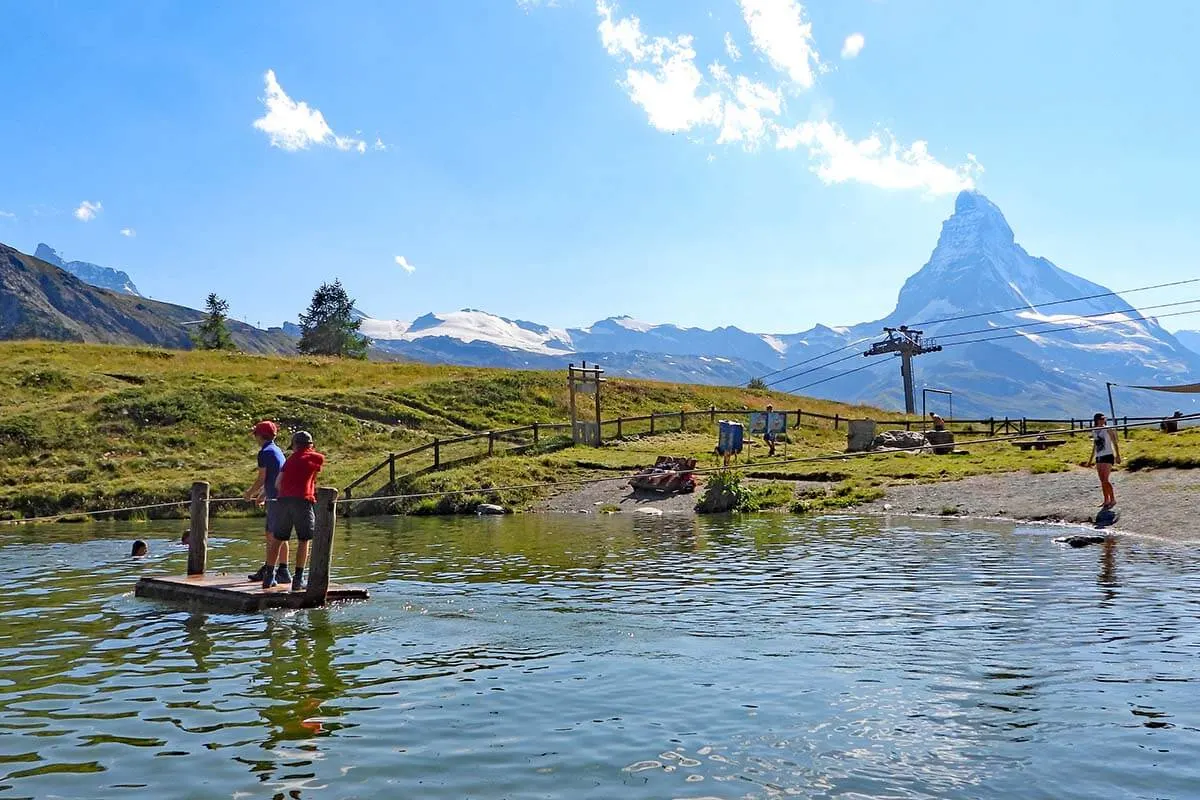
297 513
272 513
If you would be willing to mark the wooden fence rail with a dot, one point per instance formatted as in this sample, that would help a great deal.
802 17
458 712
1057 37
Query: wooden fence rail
441 453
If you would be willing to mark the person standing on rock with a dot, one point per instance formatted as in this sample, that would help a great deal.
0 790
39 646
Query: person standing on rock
263 491
1105 454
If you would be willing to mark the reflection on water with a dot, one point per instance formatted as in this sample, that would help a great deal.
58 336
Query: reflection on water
762 656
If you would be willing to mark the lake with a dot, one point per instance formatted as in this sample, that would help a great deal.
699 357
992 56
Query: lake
583 656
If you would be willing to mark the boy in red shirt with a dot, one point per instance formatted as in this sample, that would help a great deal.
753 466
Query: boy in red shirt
297 484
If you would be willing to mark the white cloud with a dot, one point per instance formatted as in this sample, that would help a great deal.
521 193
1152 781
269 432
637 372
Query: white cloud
877 160
292 125
853 45
8 215
128 233
623 37
88 210
731 48
672 90
661 76
403 264
779 32
529 5
379 145
748 118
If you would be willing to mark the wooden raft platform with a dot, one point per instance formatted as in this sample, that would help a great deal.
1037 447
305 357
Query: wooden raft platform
235 593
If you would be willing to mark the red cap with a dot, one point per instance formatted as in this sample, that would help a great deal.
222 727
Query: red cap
266 429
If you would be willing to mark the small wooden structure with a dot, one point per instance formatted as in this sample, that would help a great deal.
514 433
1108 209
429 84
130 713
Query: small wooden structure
235 592
587 380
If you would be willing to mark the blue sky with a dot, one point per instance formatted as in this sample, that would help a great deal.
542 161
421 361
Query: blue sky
563 162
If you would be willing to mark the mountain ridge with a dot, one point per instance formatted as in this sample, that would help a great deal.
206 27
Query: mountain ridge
93 274
39 300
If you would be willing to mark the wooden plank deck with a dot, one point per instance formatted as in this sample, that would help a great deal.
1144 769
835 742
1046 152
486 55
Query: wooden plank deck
234 592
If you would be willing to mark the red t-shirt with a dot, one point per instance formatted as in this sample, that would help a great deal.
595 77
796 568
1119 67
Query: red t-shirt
299 475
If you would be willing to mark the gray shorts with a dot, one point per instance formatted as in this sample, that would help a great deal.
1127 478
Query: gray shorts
272 514
294 512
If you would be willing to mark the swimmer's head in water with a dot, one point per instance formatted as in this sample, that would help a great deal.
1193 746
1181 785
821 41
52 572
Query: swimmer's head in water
139 549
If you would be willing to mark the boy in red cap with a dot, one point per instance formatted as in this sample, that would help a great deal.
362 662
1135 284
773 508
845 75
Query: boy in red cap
297 484
264 490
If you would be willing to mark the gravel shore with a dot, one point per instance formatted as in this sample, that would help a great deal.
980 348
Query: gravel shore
1156 503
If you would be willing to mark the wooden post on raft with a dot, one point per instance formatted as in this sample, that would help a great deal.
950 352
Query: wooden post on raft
198 536
322 548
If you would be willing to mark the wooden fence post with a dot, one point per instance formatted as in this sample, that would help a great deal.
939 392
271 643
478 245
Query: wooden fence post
322 548
198 537
491 442
651 422
712 415
437 454
682 420
1023 429
836 420
799 414
535 434
391 474
991 426
619 421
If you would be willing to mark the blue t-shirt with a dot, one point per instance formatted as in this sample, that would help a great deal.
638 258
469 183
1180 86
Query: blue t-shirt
270 458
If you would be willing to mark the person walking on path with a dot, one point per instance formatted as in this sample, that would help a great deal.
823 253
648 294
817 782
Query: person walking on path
265 491
297 501
1105 454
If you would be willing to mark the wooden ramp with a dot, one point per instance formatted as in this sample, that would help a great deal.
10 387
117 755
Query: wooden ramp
235 593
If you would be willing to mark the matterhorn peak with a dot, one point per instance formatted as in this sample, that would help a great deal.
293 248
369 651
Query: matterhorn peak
977 219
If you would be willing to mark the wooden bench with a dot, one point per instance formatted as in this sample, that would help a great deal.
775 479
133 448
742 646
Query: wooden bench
1039 444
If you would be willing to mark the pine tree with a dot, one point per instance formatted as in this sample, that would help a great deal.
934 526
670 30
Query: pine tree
329 328
213 332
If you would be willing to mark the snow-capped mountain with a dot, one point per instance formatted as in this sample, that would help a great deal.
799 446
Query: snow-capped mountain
93 274
1018 362
472 325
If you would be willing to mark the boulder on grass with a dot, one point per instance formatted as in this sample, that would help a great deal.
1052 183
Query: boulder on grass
942 442
860 436
899 440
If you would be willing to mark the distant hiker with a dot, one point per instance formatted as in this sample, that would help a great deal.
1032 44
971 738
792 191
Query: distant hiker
139 549
264 492
1105 453
768 434
297 501
939 424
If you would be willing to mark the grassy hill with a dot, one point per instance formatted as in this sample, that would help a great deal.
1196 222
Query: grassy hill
93 426
96 426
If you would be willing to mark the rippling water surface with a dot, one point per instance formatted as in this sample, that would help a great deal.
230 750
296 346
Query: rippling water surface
585 657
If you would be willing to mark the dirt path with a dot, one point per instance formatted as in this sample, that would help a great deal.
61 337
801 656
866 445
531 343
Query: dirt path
1158 503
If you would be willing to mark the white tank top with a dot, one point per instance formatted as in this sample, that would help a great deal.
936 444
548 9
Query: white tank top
1102 443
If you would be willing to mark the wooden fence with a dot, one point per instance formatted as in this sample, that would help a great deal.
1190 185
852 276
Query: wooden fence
459 450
